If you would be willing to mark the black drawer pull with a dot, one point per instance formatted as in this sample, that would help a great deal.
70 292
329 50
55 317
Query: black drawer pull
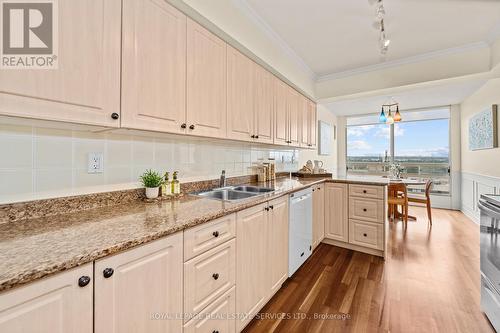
107 272
365 235
364 209
215 233
83 281
364 191
302 254
215 276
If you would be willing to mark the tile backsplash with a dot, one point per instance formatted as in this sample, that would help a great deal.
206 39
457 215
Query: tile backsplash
39 163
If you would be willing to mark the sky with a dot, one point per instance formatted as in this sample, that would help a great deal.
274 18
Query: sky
429 138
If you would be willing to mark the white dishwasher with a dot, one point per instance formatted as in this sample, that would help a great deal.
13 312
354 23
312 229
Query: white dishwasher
300 229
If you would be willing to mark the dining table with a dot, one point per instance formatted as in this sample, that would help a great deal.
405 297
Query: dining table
409 182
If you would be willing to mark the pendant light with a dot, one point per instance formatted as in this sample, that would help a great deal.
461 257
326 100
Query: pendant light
397 116
390 119
382 117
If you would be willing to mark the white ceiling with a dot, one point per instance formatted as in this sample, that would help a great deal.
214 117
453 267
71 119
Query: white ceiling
412 98
333 36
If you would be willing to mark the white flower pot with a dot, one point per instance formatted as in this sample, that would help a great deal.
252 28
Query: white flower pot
152 192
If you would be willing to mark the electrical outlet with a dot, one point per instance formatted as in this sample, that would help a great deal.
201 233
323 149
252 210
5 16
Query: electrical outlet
95 163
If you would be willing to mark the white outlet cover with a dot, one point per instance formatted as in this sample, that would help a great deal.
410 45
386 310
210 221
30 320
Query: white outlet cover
95 163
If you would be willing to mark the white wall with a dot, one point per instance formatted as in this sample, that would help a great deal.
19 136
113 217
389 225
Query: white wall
40 163
480 169
330 161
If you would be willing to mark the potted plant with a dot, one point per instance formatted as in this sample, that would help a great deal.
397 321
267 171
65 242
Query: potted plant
152 181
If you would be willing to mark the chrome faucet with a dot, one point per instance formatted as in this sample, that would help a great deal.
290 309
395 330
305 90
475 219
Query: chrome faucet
222 180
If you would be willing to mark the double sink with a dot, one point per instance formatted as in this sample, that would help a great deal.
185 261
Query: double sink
235 193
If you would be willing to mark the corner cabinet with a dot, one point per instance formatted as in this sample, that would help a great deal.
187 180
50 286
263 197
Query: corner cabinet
336 208
58 304
140 290
85 88
153 66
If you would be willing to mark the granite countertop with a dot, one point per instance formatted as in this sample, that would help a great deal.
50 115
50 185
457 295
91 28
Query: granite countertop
34 248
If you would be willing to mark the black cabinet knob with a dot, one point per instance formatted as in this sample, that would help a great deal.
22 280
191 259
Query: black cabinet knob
364 209
115 115
256 136
364 191
215 331
215 233
215 276
108 272
313 190
365 235
271 206
183 125
302 254
191 127
83 280
266 208
252 136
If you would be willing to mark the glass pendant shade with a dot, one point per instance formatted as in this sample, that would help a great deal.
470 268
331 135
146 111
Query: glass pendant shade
397 116
390 119
382 117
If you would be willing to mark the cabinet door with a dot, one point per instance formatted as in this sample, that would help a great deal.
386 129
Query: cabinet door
240 95
281 125
277 244
153 66
318 214
85 88
250 263
305 122
264 108
336 222
295 118
146 283
313 124
53 305
206 82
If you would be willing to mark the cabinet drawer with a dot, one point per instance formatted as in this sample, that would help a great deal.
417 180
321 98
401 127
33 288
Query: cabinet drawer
208 276
207 236
366 234
370 210
367 191
217 317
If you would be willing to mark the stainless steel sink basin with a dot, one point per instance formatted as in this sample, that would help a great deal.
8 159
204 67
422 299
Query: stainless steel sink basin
227 195
235 193
253 189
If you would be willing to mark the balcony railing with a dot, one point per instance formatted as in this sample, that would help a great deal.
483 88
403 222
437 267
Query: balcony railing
438 172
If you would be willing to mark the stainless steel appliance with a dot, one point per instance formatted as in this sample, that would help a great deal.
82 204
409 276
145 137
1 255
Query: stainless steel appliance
489 206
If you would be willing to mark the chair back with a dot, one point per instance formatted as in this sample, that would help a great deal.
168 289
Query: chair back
398 189
428 187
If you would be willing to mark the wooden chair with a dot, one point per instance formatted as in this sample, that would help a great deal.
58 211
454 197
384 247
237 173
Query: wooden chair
398 196
424 199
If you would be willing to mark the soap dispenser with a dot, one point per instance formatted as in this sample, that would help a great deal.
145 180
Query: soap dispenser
165 187
175 185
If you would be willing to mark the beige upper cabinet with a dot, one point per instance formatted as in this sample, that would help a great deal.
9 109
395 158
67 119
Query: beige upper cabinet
133 286
281 127
58 304
153 66
263 106
308 111
206 82
240 95
277 244
251 227
85 88
313 124
336 218
318 214
294 117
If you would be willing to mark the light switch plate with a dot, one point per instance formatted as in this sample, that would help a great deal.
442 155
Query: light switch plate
95 163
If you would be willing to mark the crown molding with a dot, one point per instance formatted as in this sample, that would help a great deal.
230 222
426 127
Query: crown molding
404 61
275 37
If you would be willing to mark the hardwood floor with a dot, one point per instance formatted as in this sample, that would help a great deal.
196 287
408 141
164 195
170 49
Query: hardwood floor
429 283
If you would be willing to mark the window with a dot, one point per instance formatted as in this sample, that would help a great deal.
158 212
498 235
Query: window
420 143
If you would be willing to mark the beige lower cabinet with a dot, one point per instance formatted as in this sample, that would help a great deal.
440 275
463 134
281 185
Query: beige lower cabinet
318 214
336 207
217 317
140 290
58 304
262 256
277 245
